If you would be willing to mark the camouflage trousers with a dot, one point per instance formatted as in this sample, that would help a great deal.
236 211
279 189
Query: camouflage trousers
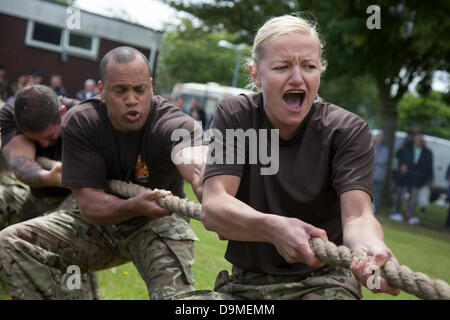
17 204
330 283
35 255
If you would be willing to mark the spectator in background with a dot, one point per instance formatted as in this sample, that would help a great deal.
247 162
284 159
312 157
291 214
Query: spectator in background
379 171
2 72
57 85
198 114
4 85
415 129
89 91
420 174
21 81
447 175
2 102
180 103
3 95
208 125
401 175
36 77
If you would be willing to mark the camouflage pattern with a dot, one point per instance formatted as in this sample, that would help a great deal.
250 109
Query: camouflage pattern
330 283
17 204
13 196
35 255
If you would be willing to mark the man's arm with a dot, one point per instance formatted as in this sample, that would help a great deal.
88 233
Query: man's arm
363 232
20 153
100 208
233 219
190 163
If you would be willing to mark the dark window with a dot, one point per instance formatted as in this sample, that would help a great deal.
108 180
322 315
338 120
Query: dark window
46 33
80 41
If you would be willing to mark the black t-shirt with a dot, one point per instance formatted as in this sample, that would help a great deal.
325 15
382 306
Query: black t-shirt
9 130
94 152
331 153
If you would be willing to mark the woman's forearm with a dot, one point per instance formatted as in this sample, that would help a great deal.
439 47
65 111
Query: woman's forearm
234 220
361 232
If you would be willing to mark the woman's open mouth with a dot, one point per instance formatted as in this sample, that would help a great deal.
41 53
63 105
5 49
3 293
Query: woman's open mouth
294 100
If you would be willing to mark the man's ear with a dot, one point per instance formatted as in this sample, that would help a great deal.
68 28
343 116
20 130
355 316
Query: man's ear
254 74
100 90
63 111
151 85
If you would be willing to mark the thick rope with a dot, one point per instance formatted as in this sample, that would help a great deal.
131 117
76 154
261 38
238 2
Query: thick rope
401 277
172 203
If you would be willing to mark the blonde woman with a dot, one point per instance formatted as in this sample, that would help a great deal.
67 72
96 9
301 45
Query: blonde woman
323 187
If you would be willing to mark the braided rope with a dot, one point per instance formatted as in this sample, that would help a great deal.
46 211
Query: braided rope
401 277
172 203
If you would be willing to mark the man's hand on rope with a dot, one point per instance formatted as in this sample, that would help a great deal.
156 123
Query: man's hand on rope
145 203
367 270
291 240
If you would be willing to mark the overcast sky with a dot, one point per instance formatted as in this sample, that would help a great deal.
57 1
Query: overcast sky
150 13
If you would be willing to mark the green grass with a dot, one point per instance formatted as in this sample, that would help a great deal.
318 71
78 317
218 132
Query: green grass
423 248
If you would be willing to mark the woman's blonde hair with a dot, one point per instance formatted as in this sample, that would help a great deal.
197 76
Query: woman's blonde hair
277 26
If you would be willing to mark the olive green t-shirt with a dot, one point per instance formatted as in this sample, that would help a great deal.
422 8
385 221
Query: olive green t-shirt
94 152
9 129
331 153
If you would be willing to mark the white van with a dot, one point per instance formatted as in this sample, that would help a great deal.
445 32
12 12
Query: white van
441 158
208 95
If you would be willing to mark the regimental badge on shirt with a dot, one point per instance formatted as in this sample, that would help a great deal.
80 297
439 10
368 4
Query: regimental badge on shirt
141 170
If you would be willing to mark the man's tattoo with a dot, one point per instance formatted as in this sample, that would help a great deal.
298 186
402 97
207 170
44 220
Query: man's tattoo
26 170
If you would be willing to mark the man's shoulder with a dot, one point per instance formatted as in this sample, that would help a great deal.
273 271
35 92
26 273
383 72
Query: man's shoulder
163 110
7 111
68 102
88 110
160 104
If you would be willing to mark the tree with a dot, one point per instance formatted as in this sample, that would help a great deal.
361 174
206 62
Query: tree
363 101
191 54
429 112
410 45
241 18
